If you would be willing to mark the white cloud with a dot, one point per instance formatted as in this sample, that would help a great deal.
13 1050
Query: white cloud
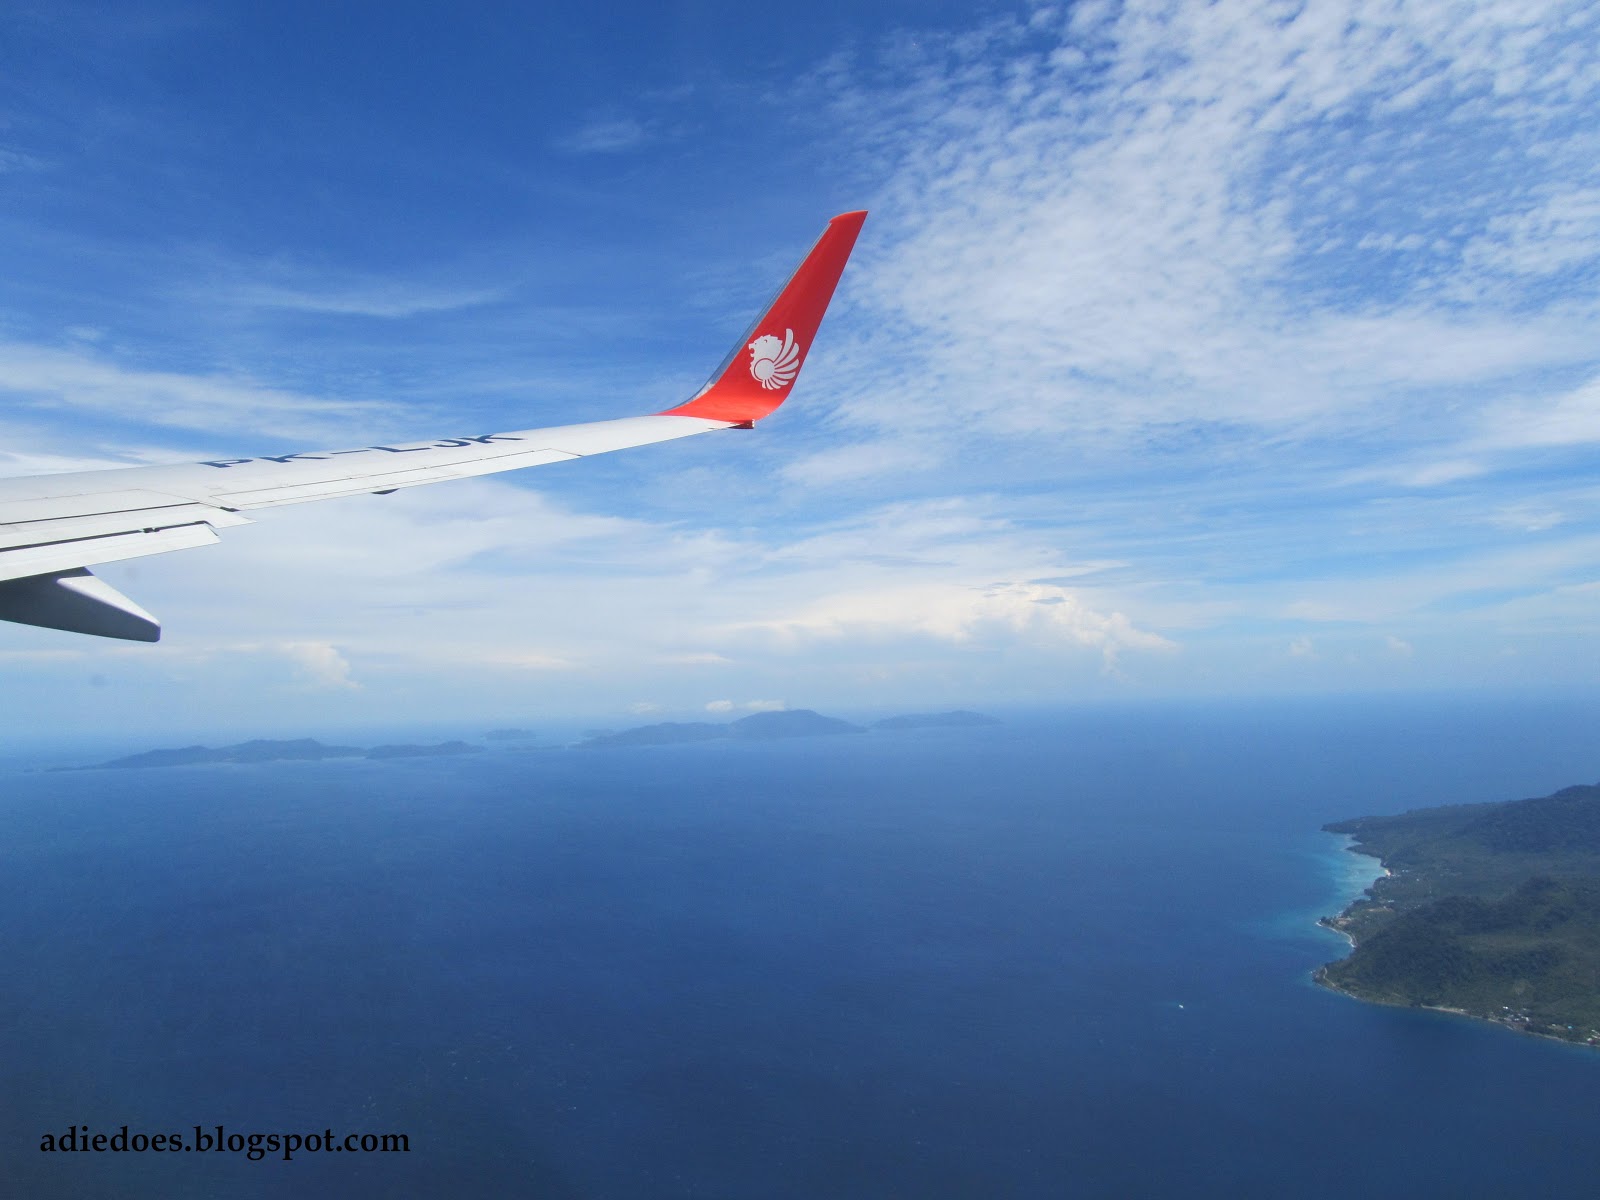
1559 231
855 461
321 664
605 135
368 299
1166 218
16 160
523 660
76 380
1525 518
25 463
720 706
1570 419
1423 475
484 589
1040 614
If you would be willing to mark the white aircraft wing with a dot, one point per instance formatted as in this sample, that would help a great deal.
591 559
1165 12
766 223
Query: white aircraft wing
54 527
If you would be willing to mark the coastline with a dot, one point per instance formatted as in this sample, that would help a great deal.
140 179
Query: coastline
1369 897
1481 1018
1356 881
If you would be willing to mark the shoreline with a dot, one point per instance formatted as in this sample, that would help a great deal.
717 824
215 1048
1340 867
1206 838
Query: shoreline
1319 976
1348 877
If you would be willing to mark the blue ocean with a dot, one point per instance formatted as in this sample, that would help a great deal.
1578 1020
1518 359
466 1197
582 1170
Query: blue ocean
1068 955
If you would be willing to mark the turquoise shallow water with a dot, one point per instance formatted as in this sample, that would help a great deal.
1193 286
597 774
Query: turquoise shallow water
1065 956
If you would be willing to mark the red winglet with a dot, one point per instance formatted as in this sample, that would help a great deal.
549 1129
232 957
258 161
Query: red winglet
757 374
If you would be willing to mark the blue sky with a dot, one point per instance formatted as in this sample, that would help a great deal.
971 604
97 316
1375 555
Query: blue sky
1189 349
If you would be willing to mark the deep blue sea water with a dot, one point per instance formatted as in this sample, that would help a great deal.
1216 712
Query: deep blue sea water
1064 956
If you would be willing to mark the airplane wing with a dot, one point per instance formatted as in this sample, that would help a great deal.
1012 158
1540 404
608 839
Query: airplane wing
54 527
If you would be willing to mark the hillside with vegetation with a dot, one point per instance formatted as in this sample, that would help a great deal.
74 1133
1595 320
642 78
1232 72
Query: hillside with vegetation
1492 910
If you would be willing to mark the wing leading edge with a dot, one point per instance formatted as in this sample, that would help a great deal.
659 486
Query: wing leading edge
54 527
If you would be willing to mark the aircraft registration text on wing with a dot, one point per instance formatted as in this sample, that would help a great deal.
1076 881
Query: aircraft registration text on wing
53 528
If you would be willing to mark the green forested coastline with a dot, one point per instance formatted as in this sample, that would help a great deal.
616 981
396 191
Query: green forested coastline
1492 910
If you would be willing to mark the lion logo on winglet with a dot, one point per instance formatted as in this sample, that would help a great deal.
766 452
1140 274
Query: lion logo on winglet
773 361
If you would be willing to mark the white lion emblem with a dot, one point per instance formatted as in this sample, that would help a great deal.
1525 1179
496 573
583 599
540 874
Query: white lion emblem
775 362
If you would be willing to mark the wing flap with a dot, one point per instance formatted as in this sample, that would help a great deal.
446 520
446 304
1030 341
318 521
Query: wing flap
21 562
22 534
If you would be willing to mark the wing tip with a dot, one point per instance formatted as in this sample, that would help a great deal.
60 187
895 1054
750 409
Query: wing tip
743 392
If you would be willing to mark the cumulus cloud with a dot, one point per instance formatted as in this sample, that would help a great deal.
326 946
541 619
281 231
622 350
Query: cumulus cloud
1042 614
319 664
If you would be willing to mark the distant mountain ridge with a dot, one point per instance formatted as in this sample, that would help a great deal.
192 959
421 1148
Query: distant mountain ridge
263 750
761 726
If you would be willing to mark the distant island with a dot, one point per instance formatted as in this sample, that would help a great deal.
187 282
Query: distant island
793 722
1488 910
762 726
261 751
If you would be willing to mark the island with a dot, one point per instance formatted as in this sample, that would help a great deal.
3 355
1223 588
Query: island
1487 910
761 726
265 750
